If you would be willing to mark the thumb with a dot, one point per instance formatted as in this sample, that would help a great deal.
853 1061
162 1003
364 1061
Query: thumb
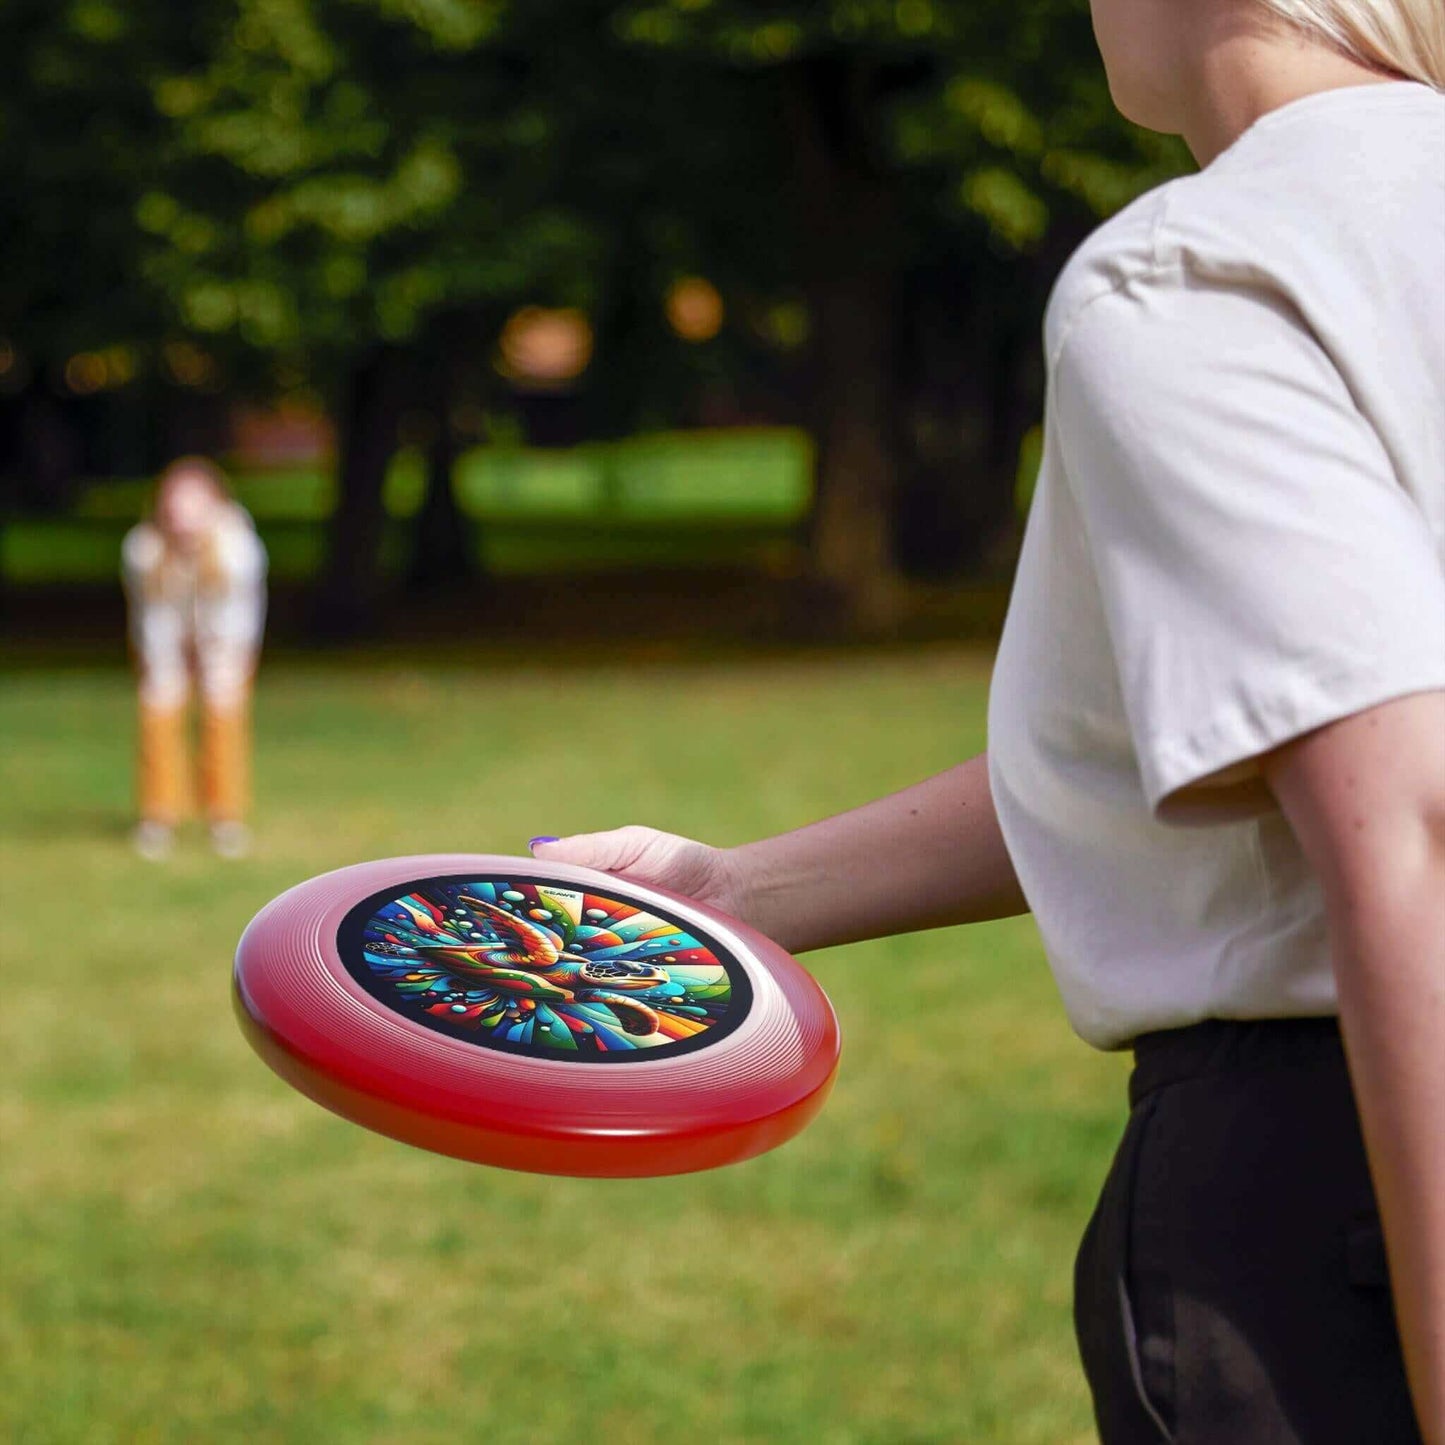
611 851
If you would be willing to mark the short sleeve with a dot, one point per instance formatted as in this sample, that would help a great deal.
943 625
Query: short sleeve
140 555
1262 569
240 552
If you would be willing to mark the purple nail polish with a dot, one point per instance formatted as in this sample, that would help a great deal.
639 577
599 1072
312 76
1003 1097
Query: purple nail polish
532 842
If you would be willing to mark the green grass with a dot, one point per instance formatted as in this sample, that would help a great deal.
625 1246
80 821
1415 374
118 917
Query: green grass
191 1252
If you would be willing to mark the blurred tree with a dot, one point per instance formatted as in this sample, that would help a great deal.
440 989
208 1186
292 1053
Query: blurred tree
354 185
361 181
78 142
944 159
352 196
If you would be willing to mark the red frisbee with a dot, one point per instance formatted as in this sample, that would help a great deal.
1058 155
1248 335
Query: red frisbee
535 1016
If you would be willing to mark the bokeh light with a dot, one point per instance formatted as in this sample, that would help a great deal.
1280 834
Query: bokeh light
88 372
85 373
695 309
545 347
187 365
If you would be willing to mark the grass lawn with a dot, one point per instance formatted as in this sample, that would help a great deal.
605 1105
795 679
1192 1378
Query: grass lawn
193 1253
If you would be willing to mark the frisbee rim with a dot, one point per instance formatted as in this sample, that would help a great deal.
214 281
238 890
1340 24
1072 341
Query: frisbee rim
596 1154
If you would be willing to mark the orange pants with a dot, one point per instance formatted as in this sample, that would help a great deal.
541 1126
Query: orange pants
163 773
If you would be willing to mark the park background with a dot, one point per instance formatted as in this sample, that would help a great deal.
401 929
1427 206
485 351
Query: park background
639 402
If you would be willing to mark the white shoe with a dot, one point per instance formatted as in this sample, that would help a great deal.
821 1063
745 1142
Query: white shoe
230 840
152 840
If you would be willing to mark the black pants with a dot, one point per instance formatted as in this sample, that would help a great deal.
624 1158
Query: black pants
1231 1286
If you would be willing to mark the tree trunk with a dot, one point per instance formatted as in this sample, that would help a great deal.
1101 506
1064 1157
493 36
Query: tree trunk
348 599
851 541
50 449
969 421
970 372
850 234
441 555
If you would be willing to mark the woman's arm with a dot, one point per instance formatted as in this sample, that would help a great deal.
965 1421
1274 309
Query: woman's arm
1366 798
926 857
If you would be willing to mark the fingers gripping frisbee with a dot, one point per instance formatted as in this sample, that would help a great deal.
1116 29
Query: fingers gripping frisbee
535 1016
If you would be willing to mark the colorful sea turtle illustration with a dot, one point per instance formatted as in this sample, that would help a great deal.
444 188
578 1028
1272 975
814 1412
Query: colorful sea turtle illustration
540 970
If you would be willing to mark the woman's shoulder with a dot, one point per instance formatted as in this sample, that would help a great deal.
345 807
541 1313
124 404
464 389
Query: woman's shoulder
239 549
1336 187
1118 253
1210 228
237 520
142 548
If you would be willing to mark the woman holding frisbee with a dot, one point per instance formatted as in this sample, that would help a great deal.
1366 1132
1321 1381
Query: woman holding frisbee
1216 770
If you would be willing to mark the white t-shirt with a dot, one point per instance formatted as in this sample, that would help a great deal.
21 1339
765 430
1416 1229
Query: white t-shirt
1238 535
178 616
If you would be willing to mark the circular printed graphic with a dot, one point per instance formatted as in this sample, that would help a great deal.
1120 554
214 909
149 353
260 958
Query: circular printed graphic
534 967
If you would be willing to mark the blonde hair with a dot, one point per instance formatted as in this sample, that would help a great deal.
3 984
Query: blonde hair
1405 37
173 571
197 468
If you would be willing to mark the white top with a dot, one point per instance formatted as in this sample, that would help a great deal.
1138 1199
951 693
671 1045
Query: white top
206 612
1238 535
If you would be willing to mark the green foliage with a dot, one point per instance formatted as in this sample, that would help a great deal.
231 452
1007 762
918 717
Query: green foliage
300 178
340 171
79 140
999 110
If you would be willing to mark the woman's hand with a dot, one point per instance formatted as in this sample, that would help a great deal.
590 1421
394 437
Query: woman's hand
681 865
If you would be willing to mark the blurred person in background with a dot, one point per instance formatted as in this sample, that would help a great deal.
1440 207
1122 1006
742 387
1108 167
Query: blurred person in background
195 585
1216 765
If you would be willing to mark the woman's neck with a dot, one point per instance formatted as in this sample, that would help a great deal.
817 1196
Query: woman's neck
1240 73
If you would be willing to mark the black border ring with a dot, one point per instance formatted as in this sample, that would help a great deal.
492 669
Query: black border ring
350 947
